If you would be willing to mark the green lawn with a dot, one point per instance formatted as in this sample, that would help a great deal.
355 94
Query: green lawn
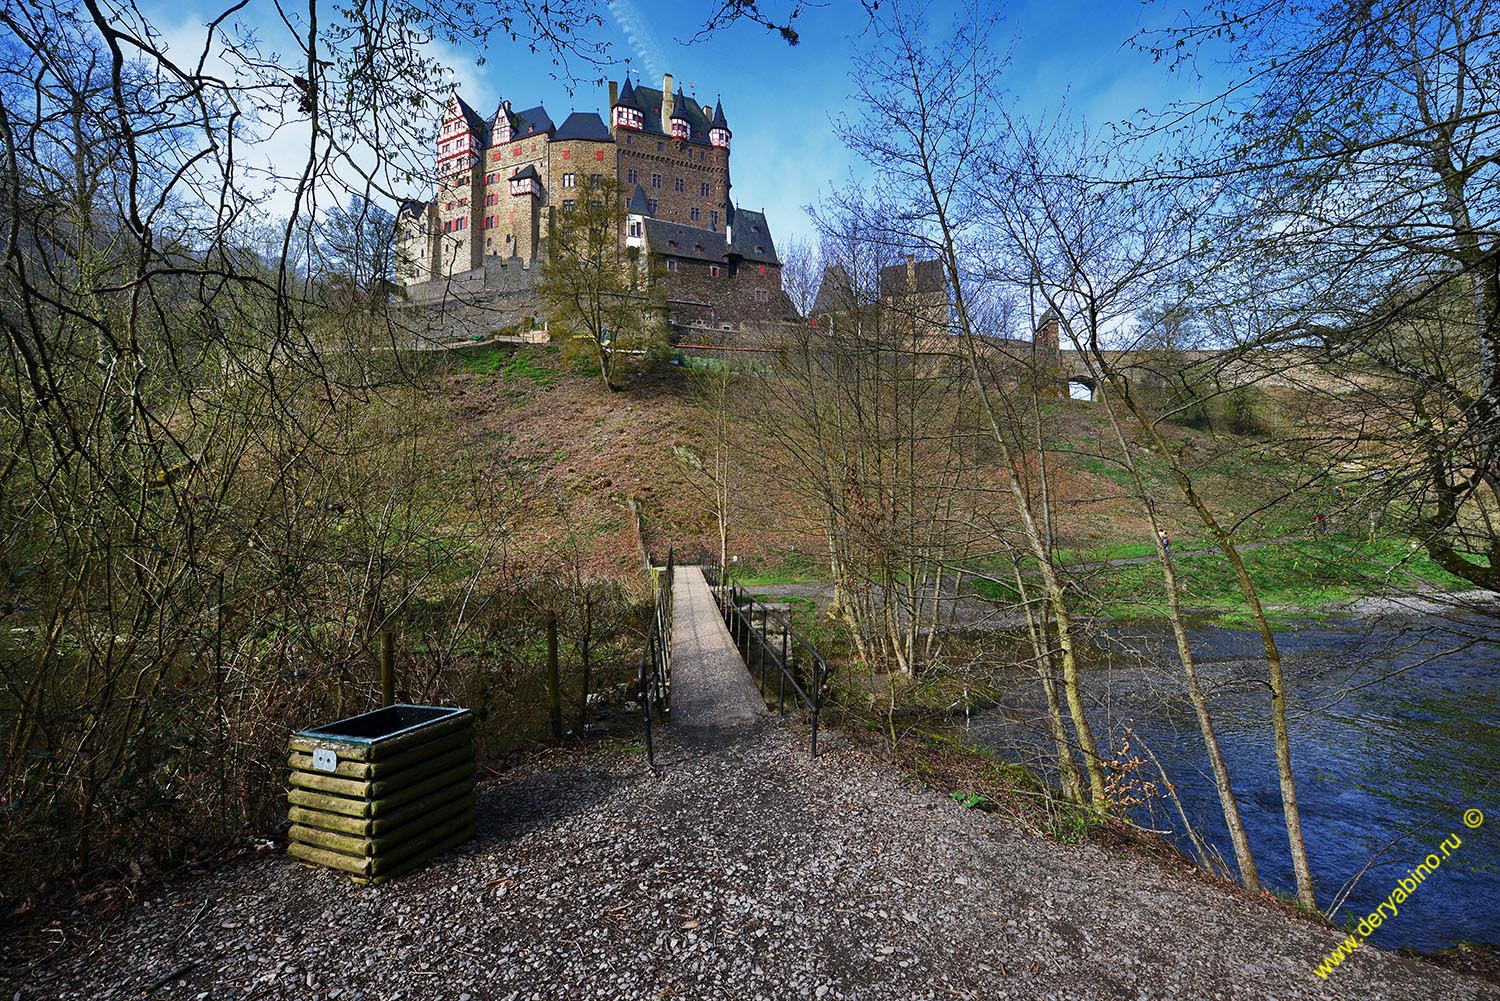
1294 579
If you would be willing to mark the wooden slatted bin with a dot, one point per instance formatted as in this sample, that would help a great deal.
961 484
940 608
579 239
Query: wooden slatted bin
379 794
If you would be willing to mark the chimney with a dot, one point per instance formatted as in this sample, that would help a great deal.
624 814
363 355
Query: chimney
666 103
614 93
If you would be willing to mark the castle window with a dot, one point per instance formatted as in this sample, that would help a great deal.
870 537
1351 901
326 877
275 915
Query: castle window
695 214
570 180
651 204
635 229
628 142
660 147
567 154
631 177
671 265
703 190
713 219
447 225
515 151
761 295
672 243
495 156
656 180
713 270
598 154
698 247
595 180
568 205
762 269
679 185
760 250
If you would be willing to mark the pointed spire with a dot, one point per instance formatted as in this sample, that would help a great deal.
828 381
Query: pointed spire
719 121
638 204
679 107
627 98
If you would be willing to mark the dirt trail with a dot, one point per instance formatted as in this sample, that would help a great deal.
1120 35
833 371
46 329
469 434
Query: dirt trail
739 869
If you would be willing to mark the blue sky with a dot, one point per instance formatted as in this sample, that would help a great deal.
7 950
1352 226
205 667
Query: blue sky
782 101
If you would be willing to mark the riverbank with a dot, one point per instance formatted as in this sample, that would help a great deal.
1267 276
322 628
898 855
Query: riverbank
976 778
741 869
1297 578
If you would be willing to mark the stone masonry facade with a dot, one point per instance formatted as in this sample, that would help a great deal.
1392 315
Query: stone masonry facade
503 180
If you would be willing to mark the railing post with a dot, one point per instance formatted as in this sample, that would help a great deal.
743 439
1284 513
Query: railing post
817 701
781 686
646 700
763 612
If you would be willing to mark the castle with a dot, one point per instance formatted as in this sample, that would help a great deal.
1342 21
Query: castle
502 181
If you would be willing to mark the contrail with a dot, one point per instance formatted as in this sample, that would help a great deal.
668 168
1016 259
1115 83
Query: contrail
633 24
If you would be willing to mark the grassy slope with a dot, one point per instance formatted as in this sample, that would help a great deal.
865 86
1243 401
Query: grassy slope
574 451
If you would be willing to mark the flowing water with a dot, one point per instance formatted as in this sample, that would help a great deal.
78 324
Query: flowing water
1395 732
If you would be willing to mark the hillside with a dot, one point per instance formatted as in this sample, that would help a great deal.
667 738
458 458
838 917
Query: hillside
571 454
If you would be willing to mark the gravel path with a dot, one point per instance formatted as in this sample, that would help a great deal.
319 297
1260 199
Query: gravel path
739 869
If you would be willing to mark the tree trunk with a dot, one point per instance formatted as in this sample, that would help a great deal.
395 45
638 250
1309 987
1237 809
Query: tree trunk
554 681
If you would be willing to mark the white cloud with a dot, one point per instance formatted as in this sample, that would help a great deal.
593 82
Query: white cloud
633 23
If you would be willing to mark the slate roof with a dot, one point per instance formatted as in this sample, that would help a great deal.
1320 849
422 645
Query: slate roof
638 203
583 125
527 171
835 291
751 236
627 98
650 103
930 278
411 206
475 119
680 107
719 122
533 122
673 239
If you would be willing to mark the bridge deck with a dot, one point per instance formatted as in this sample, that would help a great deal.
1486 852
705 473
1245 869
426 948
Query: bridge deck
713 697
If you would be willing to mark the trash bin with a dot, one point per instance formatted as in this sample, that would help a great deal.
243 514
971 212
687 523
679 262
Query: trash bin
377 795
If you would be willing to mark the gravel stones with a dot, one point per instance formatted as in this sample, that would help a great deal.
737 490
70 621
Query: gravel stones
738 869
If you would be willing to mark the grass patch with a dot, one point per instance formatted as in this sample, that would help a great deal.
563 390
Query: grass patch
525 365
781 568
1294 579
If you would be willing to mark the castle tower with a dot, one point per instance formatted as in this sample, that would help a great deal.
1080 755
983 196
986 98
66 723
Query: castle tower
682 128
718 133
626 111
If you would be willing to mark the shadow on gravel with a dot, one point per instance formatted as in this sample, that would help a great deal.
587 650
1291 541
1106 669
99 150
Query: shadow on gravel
507 811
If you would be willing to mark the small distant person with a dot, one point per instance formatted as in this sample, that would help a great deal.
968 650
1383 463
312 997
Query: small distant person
1166 542
1320 524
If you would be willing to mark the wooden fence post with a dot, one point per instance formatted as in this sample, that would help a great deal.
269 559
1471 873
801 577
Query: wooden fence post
554 683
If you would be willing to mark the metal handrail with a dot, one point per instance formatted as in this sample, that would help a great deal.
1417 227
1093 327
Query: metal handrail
738 609
655 681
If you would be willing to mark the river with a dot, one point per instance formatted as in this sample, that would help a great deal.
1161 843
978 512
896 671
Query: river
1395 732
